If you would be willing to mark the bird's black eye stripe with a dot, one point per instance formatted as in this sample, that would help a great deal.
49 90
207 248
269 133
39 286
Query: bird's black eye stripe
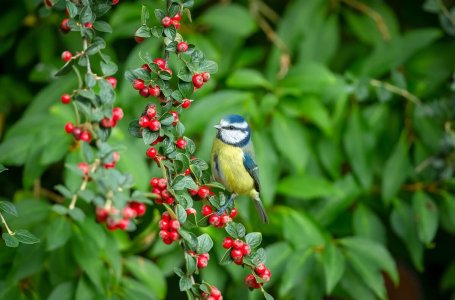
231 127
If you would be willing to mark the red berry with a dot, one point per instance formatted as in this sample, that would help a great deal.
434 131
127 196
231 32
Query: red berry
165 194
163 224
151 152
198 81
151 111
166 21
138 84
169 200
206 76
181 143
138 39
227 243
237 244
186 103
165 216
192 192
177 17
111 224
154 91
88 25
168 71
85 136
154 125
182 47
146 67
154 182
224 219
77 133
139 207
66 98
233 213
64 26
187 172
160 62
144 92
84 167
106 122
214 220
115 2
176 117
238 261
69 127
190 211
174 235
266 275
101 214
112 81
117 113
176 24
207 210
260 269
144 121
246 250
162 183
203 192
251 282
174 225
66 56
236 254
129 212
202 262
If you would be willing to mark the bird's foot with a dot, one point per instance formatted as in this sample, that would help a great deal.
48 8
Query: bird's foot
223 208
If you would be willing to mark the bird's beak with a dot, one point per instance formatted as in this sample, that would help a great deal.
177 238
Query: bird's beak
217 126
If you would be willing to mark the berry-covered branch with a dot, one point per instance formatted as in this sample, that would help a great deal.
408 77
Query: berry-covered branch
186 179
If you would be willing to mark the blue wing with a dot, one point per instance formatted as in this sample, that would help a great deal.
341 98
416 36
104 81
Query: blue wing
252 168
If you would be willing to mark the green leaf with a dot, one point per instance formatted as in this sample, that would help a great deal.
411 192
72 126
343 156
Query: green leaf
58 233
72 9
204 244
109 68
25 237
185 283
190 237
149 136
208 66
396 170
10 241
149 274
65 69
63 291
293 269
87 152
87 15
2 168
247 79
76 214
334 265
134 129
220 18
102 26
267 296
143 31
180 213
8 208
159 14
307 187
235 230
253 239
426 216
183 182
299 229
170 32
366 224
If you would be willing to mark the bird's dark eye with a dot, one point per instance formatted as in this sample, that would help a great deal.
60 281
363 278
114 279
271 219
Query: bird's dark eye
231 127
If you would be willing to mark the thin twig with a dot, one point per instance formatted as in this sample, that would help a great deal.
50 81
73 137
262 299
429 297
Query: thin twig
79 78
396 90
446 12
374 15
83 184
10 232
84 47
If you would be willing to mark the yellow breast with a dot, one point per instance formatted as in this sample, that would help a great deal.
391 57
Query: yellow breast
232 172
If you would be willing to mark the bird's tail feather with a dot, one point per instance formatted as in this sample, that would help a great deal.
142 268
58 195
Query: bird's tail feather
261 210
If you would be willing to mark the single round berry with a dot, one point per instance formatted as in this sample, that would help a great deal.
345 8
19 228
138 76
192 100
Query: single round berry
85 136
233 213
206 76
174 225
154 91
251 282
166 21
138 39
161 63
165 194
154 125
112 81
266 275
169 200
111 224
88 25
166 216
64 26
77 133
214 220
138 84
151 111
237 244
176 117
174 235
107 123
66 98
227 243
139 207
117 113
190 211
203 192
187 172
151 152
101 214
146 67
115 2
236 254
246 250
181 143
144 92
186 103
177 17
84 167
202 262
260 269
207 210
182 47
69 127
129 213
163 224
198 81
162 183
154 182
224 219
144 121
176 24
66 56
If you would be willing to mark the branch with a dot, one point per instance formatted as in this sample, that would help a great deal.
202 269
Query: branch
396 90
10 232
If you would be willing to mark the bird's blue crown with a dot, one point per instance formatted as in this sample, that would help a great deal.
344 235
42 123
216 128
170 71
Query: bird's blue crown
234 130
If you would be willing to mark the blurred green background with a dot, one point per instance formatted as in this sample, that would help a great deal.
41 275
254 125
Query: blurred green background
352 107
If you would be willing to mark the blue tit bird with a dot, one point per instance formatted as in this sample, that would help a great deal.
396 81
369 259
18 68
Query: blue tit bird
233 161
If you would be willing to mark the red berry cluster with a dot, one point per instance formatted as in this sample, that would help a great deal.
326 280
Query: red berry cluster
146 90
239 249
218 220
168 21
116 220
215 294
78 132
149 119
200 79
169 229
159 188
202 259
263 272
117 115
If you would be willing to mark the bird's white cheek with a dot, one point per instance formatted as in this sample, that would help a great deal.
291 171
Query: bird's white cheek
234 137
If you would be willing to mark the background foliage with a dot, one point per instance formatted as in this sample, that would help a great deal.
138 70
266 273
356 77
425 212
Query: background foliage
352 112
